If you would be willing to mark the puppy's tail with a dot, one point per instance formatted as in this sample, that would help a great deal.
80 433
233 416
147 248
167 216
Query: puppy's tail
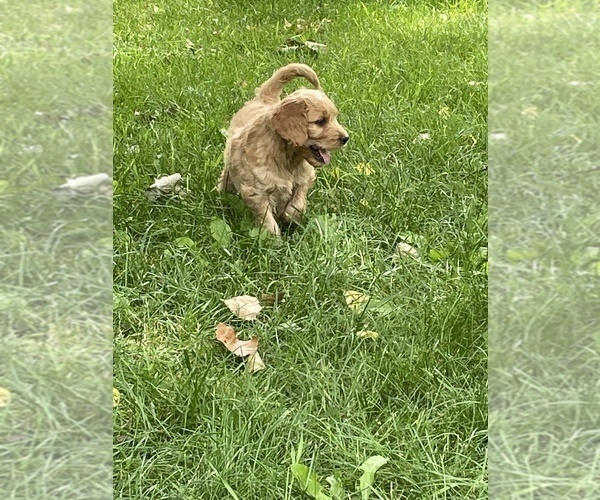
271 89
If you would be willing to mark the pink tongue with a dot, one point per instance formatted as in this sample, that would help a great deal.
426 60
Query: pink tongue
326 155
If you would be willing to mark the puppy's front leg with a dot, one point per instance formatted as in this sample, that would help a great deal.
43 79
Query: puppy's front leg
261 208
296 207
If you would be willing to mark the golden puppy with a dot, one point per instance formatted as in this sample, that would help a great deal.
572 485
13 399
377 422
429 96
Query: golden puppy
273 145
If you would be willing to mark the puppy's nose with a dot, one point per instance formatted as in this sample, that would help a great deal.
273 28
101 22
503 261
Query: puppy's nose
344 139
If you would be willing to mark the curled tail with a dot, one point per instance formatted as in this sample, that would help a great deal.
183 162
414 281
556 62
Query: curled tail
271 89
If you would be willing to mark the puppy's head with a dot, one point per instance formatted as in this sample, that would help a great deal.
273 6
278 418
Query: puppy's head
307 119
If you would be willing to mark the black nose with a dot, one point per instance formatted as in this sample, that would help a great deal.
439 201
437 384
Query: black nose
344 139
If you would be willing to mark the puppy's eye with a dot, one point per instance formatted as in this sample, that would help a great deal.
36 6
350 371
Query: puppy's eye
321 121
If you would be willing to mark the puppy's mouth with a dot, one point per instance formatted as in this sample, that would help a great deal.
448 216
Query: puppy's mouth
320 154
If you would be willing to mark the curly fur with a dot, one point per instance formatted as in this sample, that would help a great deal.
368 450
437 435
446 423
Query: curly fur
273 146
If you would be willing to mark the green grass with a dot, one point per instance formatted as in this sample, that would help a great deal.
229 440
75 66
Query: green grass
544 341
55 261
191 423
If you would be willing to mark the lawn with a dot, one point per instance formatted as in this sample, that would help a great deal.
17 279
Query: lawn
55 257
545 253
409 79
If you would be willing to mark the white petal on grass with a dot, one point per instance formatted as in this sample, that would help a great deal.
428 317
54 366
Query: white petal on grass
425 136
498 136
33 148
244 306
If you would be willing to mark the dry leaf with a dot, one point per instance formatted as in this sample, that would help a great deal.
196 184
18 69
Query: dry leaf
404 248
116 397
168 185
5 397
294 44
227 336
367 334
244 306
316 47
355 300
85 185
254 363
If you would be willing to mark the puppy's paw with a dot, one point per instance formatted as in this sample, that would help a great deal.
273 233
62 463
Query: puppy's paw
293 213
271 226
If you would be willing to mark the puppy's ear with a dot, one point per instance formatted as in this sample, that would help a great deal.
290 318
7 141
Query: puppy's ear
291 121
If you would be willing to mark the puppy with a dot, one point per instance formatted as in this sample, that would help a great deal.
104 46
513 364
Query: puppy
273 147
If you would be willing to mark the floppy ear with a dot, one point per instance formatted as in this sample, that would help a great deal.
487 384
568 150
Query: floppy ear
290 120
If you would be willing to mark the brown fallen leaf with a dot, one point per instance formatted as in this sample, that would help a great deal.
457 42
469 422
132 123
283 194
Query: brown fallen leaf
227 336
254 363
244 306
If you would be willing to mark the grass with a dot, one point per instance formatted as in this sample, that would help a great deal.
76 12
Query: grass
191 423
55 264
544 341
